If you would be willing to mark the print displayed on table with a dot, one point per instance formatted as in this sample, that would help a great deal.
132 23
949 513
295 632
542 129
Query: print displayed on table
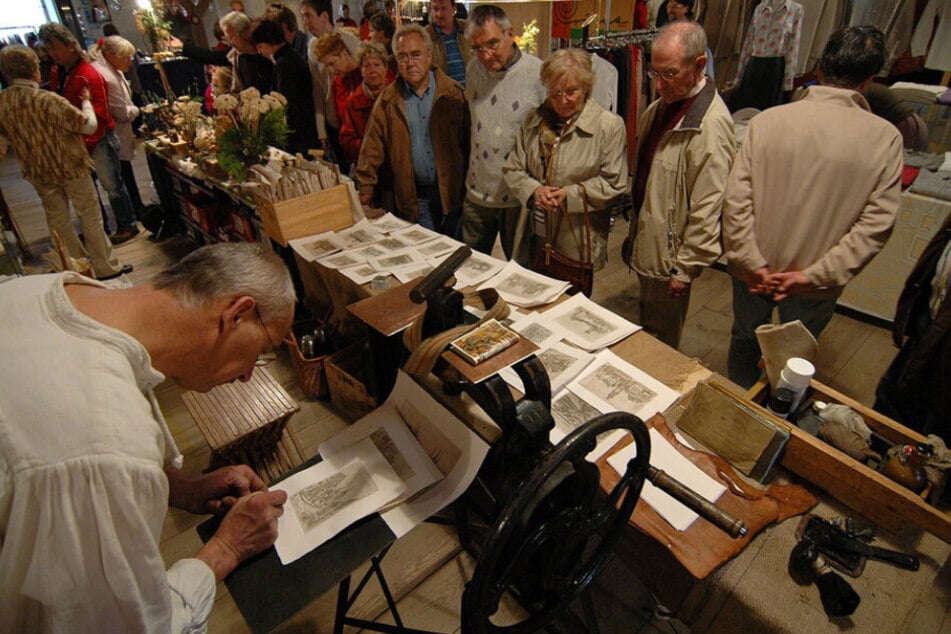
588 325
571 411
416 234
361 273
522 287
326 498
318 246
369 251
440 246
403 258
388 222
340 260
612 384
562 363
414 271
540 330
361 233
477 268
393 244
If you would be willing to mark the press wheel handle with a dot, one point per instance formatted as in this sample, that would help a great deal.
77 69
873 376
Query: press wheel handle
704 508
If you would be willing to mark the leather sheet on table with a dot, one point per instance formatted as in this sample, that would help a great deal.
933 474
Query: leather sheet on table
703 548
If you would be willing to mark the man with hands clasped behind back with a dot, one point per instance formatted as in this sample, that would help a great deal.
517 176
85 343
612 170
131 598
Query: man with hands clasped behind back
88 467
811 198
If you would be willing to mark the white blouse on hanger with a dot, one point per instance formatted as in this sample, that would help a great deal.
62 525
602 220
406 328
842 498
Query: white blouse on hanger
939 53
774 33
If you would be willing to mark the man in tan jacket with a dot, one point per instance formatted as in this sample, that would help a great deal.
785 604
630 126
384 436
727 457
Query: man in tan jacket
686 148
811 199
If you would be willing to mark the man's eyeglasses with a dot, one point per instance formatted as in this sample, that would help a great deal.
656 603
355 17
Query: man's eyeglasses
415 56
268 357
667 75
489 47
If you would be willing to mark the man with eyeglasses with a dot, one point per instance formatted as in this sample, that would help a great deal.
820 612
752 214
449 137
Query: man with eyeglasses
420 129
503 86
685 151
90 467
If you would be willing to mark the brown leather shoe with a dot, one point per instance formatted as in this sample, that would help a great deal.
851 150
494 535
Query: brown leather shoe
124 236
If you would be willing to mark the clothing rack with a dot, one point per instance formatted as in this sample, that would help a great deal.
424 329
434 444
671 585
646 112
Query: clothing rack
619 39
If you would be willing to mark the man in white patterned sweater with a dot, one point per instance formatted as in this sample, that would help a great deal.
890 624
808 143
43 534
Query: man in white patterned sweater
503 85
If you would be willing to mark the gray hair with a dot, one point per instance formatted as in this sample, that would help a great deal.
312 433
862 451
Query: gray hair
371 49
237 20
56 31
228 269
412 29
483 14
569 61
18 62
690 34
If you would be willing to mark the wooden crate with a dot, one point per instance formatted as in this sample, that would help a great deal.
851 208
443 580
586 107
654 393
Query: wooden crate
345 378
326 210
245 423
863 489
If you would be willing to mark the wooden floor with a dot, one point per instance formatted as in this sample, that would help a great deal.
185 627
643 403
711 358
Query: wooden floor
853 355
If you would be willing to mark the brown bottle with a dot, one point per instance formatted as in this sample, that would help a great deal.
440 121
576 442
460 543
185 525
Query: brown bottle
906 466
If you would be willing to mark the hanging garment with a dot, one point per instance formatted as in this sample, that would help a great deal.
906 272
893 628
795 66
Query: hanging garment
774 33
939 51
761 86
606 83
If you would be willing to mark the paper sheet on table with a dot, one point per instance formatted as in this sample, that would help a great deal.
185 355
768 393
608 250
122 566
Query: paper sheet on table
386 428
455 449
326 498
665 457
612 384
570 411
317 246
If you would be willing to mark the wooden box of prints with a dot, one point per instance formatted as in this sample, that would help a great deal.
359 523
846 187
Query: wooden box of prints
244 423
860 487
325 210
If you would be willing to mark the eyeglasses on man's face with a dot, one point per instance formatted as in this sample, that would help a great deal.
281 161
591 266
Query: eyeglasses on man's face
265 358
415 57
667 75
489 47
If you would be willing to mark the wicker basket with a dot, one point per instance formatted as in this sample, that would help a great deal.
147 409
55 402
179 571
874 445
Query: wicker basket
311 373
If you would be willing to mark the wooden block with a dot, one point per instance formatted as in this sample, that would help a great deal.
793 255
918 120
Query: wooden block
326 210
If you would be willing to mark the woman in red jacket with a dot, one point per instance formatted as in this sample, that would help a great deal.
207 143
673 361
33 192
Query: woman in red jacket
374 67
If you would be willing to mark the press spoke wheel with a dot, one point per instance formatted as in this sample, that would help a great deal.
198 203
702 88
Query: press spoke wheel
556 532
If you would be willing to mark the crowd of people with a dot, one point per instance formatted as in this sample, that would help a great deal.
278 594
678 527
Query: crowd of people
454 127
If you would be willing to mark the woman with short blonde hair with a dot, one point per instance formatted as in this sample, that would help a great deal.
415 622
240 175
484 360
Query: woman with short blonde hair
113 56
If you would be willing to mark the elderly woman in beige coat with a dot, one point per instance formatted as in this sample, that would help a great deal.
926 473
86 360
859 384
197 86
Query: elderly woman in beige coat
570 150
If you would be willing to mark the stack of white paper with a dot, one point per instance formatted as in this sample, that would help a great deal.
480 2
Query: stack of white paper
666 458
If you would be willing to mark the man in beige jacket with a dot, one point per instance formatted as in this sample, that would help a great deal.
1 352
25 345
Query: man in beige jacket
686 148
811 199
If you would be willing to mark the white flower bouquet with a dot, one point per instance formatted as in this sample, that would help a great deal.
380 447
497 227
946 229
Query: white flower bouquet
249 122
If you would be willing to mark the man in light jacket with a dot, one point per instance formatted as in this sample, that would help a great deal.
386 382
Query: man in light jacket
811 199
686 149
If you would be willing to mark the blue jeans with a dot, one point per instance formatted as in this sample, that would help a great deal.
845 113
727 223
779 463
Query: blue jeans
105 156
750 311
431 213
